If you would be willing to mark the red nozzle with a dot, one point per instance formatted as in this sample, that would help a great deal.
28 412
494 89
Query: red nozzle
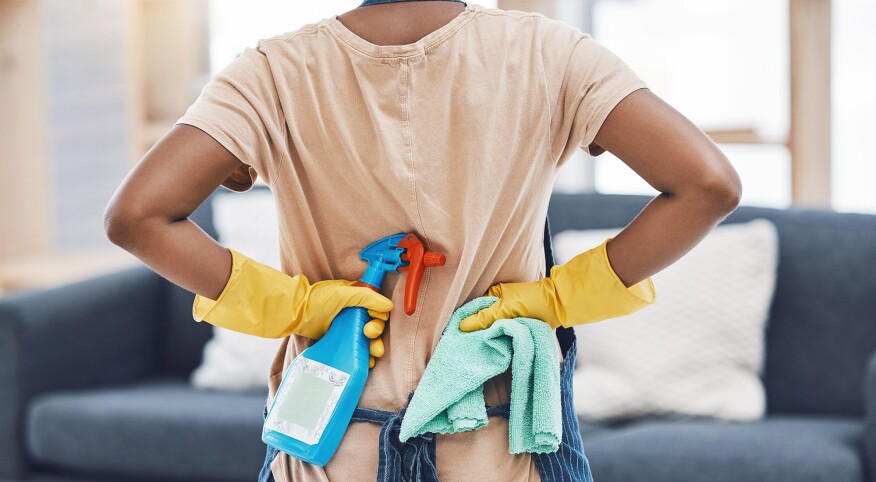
418 259
431 258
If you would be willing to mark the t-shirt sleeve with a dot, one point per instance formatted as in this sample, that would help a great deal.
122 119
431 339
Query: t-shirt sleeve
594 82
240 108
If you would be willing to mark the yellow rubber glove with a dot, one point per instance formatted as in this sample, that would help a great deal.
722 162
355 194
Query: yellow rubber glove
262 301
584 290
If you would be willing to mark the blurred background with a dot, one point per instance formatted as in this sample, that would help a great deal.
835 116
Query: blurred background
88 86
757 364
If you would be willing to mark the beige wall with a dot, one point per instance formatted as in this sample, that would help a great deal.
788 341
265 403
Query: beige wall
25 200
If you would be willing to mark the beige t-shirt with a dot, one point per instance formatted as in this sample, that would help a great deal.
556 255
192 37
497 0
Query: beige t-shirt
456 137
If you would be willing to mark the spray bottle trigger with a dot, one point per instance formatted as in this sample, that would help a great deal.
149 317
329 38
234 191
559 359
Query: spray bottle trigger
418 259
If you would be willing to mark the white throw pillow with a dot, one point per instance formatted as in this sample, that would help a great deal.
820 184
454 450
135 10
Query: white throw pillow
698 350
246 222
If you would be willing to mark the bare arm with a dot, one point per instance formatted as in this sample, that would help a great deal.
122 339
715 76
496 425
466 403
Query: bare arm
148 214
699 187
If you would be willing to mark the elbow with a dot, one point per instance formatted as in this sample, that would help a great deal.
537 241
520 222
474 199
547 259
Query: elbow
119 224
720 190
724 192
114 227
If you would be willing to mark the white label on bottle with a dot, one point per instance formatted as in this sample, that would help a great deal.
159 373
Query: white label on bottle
306 399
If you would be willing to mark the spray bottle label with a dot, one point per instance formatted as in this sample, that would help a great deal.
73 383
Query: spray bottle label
306 400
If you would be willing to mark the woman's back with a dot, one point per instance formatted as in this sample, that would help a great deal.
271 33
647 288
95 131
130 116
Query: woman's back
456 135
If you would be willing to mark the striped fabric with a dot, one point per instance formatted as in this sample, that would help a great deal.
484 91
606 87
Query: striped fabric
414 460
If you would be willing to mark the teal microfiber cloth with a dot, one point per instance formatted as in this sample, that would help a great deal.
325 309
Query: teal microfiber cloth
450 395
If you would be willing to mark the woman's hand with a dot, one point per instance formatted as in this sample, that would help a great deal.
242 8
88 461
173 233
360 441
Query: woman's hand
531 300
374 329
262 301
584 290
331 296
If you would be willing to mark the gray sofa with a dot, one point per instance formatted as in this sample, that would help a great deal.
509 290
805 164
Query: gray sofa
93 375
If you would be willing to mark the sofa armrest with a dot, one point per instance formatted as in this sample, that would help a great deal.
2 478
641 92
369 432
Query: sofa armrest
88 333
870 413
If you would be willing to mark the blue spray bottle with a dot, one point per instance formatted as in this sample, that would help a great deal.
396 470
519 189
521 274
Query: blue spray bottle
321 387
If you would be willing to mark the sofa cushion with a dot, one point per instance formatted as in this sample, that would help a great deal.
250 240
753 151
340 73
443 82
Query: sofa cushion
157 428
778 448
821 331
699 350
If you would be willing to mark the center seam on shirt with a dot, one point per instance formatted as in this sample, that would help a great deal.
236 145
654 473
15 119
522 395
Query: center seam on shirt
424 286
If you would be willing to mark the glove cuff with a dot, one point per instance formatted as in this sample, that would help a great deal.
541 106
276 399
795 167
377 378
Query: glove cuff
257 300
588 289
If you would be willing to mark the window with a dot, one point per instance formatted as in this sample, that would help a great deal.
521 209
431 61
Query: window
722 64
854 102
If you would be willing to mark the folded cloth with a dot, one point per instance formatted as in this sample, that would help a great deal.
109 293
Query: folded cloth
450 395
